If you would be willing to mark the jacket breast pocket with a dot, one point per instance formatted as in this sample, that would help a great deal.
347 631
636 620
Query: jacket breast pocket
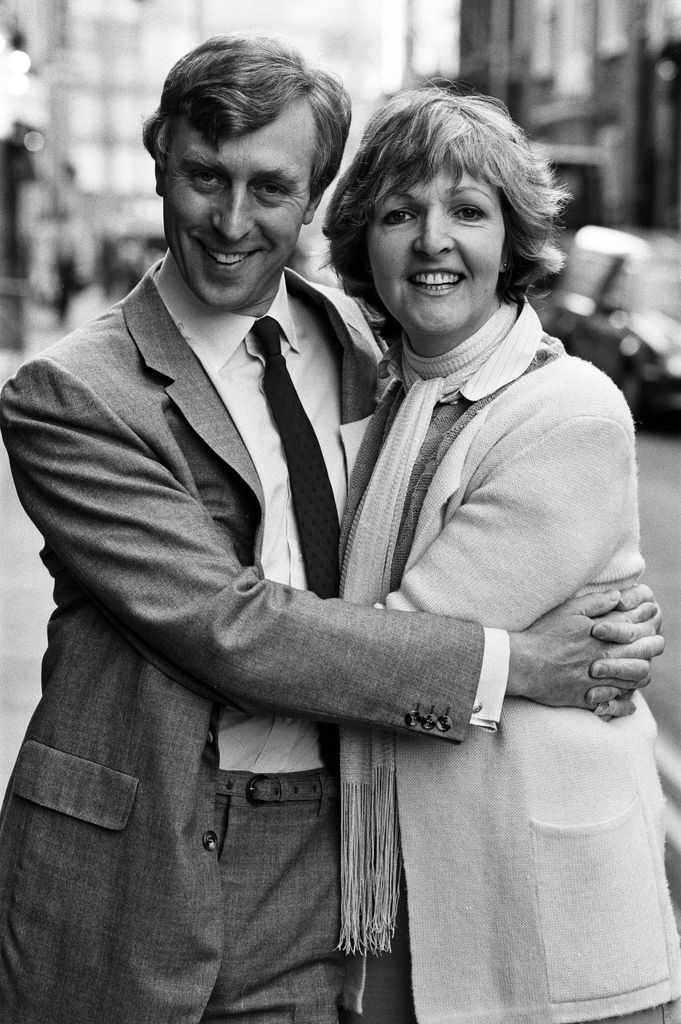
74 786
599 907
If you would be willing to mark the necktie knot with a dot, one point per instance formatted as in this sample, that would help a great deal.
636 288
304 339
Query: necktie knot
266 330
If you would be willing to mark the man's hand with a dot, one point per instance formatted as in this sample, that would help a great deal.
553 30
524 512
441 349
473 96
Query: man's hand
566 659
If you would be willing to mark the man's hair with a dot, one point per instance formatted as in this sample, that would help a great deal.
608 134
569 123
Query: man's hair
416 136
231 85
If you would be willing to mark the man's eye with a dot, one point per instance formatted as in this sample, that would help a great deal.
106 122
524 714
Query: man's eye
206 178
271 189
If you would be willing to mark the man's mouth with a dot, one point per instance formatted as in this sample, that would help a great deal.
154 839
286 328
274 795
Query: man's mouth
227 259
436 278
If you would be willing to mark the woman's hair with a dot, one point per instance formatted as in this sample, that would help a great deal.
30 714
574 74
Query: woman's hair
413 138
231 85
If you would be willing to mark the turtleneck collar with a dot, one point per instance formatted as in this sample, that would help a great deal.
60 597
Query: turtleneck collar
498 353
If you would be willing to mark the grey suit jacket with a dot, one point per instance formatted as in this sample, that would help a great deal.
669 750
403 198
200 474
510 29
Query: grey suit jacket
130 466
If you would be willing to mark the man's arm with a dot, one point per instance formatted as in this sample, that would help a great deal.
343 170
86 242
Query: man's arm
99 473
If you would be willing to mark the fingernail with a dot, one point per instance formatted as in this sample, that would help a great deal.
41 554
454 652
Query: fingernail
599 631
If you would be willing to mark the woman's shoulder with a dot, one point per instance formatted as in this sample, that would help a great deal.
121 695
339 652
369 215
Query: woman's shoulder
564 387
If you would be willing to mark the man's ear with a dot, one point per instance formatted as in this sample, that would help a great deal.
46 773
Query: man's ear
310 210
160 181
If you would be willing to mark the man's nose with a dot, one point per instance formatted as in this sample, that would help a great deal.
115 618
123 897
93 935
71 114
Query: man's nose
232 215
436 234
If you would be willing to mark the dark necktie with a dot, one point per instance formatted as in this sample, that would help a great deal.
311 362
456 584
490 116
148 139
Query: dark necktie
313 500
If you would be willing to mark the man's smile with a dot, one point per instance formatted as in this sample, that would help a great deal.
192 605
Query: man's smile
227 258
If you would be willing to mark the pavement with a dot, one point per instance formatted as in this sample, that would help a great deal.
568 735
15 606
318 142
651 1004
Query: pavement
25 587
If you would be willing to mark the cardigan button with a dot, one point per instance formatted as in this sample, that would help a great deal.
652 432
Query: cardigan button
210 841
412 719
444 723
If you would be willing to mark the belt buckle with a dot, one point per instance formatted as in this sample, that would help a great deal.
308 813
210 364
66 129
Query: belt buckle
252 793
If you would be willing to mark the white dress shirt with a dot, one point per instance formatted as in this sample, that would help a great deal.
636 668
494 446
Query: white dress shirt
231 358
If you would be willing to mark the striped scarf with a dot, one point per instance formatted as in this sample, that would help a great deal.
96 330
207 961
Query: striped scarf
370 857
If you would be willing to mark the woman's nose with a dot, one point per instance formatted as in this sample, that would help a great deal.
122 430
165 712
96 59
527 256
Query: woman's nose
232 215
436 233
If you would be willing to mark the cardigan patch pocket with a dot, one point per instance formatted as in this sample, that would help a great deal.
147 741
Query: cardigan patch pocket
599 907
74 786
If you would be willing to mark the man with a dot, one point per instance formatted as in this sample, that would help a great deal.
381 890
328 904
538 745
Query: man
169 836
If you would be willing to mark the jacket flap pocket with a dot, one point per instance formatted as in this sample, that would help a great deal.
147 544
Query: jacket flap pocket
73 785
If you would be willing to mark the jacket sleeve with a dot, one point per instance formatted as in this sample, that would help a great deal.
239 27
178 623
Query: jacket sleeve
147 553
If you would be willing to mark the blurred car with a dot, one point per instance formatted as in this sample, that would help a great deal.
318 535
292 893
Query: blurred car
618 305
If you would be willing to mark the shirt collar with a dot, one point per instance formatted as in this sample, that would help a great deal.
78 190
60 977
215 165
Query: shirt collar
213 333
508 361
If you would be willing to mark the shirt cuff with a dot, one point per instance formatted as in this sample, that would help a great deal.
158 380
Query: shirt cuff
493 680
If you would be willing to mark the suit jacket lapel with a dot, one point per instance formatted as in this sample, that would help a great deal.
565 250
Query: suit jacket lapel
164 350
361 351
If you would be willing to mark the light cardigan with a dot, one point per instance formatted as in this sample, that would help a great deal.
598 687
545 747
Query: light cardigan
534 856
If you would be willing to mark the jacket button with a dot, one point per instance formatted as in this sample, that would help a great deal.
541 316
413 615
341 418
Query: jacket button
428 722
210 841
412 719
444 723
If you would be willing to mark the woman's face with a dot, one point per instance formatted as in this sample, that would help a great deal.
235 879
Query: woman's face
435 253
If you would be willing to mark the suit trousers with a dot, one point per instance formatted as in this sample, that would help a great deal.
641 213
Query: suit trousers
279 870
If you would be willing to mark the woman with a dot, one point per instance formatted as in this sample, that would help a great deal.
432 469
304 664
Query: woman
496 479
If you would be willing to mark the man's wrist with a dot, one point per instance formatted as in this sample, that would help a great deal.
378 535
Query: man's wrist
520 665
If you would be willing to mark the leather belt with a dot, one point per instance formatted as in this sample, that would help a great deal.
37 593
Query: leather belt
287 787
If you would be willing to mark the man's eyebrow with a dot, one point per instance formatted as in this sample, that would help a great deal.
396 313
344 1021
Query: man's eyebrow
281 175
200 156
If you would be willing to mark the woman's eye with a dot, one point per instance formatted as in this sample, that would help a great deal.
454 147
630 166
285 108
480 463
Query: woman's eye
395 216
468 213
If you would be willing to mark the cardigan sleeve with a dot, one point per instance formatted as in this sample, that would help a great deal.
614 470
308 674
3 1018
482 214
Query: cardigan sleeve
544 511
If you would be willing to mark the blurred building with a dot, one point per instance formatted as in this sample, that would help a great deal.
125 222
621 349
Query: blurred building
599 76
98 67
22 120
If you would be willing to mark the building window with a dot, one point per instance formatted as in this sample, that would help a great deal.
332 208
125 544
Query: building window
612 29
543 43
574 61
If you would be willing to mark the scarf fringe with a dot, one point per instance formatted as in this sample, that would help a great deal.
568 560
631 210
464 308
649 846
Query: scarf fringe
370 863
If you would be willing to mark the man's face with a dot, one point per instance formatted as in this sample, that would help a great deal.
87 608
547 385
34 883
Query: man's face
232 215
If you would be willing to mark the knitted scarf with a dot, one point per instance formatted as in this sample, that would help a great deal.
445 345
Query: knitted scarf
370 857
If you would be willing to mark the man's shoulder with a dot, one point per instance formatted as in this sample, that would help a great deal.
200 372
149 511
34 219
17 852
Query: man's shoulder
98 352
336 302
